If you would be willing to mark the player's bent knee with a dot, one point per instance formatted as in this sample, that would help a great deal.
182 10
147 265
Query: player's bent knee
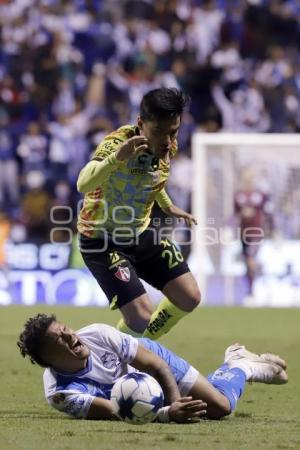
224 409
193 300
219 409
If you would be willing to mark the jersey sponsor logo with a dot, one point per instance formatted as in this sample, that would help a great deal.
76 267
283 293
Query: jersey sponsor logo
159 322
143 164
123 274
220 375
115 259
109 360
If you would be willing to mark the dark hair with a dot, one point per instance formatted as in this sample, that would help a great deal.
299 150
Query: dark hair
31 338
163 103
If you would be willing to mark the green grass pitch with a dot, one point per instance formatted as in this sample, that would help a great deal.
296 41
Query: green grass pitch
267 417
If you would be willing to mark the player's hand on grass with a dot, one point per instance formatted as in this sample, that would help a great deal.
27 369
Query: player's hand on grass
131 147
186 409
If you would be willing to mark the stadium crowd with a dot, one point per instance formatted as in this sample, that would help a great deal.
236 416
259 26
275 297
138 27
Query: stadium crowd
72 71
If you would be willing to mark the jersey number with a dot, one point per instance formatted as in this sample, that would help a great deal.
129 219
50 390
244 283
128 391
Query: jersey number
173 256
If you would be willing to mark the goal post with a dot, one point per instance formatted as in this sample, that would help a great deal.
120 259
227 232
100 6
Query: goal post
220 161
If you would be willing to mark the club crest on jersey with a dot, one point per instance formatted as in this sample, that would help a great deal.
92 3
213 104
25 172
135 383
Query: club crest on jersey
109 360
123 274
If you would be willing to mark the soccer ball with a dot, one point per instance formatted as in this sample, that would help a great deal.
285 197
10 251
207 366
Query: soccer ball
137 397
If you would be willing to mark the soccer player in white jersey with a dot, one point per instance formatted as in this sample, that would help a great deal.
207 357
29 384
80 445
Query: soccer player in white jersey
82 367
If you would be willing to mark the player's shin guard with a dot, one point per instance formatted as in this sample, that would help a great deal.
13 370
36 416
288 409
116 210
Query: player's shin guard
230 382
163 319
121 326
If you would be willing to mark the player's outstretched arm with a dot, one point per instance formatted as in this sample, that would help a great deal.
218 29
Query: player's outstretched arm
184 410
147 361
181 410
179 213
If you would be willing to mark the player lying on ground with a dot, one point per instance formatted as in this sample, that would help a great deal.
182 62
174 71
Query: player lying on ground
83 366
125 178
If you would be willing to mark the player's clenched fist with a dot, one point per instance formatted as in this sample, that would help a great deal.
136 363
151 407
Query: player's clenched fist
131 147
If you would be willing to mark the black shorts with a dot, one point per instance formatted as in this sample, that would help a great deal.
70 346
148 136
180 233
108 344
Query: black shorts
118 268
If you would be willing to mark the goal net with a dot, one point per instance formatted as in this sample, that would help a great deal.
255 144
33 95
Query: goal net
225 165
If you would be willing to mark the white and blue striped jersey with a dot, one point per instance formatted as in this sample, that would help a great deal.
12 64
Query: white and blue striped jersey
111 352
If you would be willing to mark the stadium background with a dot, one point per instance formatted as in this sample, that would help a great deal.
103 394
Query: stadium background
72 71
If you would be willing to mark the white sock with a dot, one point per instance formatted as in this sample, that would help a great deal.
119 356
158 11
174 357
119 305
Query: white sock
243 365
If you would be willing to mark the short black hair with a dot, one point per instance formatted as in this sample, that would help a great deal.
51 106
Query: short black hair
163 103
31 338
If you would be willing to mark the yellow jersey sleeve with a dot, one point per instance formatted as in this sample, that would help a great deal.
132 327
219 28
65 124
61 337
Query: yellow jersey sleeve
163 199
95 173
104 161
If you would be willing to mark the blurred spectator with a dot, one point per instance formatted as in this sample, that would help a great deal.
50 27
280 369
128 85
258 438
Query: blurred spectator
244 111
291 104
35 208
9 186
253 210
64 102
4 235
228 58
60 148
11 97
68 145
205 38
32 149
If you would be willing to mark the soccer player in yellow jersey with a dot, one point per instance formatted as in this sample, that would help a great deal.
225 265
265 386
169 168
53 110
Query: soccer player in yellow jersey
126 175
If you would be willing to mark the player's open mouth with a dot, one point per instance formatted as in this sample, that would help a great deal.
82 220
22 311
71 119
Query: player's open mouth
77 346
